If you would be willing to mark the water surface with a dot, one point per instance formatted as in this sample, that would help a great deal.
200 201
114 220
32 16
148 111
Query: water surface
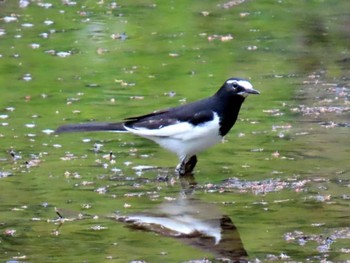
280 179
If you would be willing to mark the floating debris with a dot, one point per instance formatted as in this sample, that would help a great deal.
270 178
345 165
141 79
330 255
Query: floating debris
222 38
35 45
86 183
63 54
101 190
44 35
10 108
98 228
69 3
92 85
24 3
136 97
5 174
275 154
101 51
9 19
118 36
244 14
15 156
9 232
318 110
109 156
143 167
260 187
27 77
27 25
48 22
86 206
170 94
231 4
319 198
252 48
173 55
50 52
30 125
274 112
116 170
323 243
97 147
45 5
68 157
48 131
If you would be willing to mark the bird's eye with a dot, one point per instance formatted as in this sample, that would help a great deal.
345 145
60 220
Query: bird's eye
235 84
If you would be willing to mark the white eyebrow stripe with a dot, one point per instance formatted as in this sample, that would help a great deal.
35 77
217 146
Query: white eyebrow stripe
231 81
243 83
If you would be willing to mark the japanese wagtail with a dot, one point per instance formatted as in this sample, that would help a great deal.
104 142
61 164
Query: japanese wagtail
184 130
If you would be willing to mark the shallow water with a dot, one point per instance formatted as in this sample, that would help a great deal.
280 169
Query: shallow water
281 178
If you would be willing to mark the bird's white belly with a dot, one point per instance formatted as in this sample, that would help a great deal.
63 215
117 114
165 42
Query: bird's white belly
187 148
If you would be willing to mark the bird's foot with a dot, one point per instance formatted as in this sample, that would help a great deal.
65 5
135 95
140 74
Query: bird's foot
186 167
180 169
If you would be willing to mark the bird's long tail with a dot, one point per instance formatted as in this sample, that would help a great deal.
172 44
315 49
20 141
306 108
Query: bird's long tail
92 126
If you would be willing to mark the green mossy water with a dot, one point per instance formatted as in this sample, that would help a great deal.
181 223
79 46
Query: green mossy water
170 47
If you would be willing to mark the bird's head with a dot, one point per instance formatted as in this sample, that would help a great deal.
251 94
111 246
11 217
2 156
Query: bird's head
238 86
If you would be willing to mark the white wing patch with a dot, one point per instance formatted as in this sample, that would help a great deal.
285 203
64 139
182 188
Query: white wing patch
181 131
167 131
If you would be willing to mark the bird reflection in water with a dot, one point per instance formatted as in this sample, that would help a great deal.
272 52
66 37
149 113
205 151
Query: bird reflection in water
193 222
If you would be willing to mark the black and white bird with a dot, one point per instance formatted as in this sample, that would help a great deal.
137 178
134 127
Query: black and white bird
184 130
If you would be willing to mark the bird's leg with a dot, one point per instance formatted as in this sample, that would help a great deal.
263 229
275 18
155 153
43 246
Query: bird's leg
186 166
190 164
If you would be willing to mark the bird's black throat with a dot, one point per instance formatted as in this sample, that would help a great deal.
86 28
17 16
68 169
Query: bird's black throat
228 111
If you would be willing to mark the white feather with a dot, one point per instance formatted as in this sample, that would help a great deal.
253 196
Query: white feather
243 83
183 138
167 131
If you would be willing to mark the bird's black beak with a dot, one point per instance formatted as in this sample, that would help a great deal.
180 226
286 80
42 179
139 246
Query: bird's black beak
252 91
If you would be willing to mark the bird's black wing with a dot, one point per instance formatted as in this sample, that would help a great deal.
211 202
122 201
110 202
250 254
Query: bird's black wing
201 117
161 119
194 113
145 116
154 120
